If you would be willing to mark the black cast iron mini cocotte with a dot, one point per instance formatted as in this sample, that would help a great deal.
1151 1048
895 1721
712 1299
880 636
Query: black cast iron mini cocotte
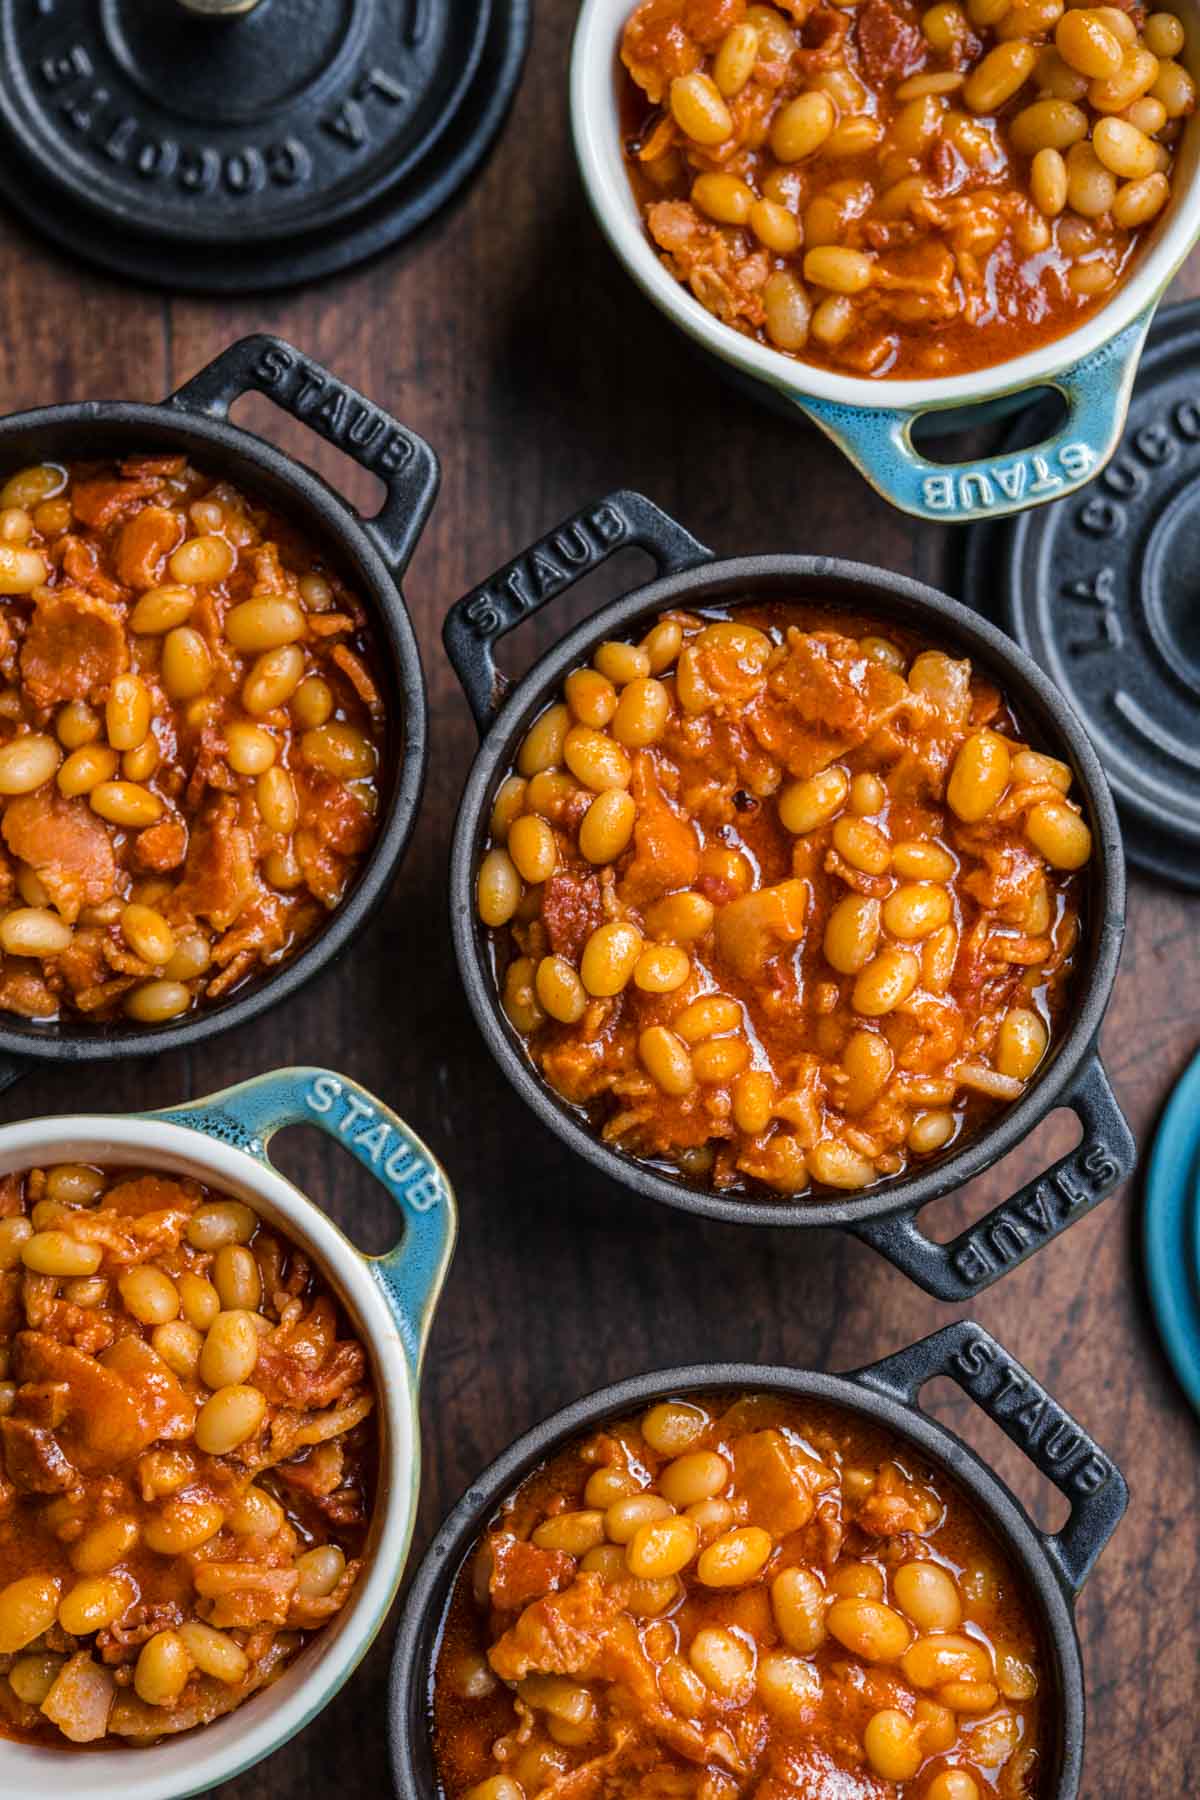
1052 1566
372 553
688 576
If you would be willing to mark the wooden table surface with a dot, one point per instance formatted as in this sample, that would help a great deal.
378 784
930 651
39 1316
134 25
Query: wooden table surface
507 335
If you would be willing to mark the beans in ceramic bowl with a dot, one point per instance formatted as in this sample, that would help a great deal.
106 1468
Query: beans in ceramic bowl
187 1455
892 190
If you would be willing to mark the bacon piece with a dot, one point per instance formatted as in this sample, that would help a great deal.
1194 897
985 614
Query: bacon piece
324 625
81 562
825 32
335 826
656 47
340 816
596 1779
68 846
154 1194
23 991
162 846
116 1643
292 1431
890 42
823 699
81 1700
245 1594
42 1403
101 503
700 255
12 1312
210 770
757 926
666 856
811 1773
111 1420
356 673
287 1382
777 1481
572 907
318 1473
144 543
521 1572
566 1634
33 1458
896 1506
325 874
585 1631
82 964
74 648
220 878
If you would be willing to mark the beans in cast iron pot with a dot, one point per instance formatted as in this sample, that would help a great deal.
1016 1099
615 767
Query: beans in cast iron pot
783 898
190 732
752 1596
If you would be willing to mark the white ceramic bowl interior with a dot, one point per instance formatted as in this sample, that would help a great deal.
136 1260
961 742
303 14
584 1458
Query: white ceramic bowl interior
597 132
199 1760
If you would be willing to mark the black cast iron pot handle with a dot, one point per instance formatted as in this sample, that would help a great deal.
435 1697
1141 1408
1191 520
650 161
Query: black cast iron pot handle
1052 1440
341 415
1018 1227
12 1068
544 571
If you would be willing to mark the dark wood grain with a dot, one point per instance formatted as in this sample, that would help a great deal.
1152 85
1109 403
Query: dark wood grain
508 336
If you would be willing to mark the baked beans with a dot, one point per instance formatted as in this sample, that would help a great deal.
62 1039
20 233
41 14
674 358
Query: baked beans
890 189
826 922
187 1455
190 739
789 1601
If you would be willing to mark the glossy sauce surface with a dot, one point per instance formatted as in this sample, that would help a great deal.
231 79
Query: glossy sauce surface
790 919
806 1610
187 1455
190 738
891 190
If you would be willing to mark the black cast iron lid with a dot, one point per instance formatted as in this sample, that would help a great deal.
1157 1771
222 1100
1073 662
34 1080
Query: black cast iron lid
231 145
1103 591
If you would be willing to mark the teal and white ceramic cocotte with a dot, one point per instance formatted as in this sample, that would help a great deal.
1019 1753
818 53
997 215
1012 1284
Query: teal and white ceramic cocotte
224 1140
872 422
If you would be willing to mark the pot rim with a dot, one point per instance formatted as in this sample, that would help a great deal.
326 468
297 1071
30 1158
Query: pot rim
330 520
199 1760
1022 680
595 126
424 1606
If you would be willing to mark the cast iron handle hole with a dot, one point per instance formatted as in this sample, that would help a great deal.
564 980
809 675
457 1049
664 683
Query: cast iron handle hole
946 1402
257 413
1057 1134
623 571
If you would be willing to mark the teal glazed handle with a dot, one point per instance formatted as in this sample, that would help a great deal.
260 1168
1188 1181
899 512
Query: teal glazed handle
410 1276
878 441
